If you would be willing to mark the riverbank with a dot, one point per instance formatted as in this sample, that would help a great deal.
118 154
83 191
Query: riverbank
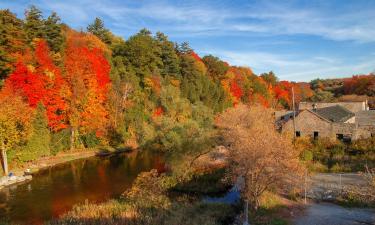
22 173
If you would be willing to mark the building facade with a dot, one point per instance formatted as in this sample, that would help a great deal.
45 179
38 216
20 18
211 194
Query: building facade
332 121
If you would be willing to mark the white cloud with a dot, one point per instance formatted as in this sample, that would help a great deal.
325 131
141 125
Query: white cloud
293 67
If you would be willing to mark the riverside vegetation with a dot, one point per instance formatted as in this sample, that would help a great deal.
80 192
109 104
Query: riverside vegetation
63 89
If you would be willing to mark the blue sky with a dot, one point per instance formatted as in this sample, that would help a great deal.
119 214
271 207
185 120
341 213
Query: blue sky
298 40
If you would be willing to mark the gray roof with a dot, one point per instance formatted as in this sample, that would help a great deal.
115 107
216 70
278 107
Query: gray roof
365 118
334 113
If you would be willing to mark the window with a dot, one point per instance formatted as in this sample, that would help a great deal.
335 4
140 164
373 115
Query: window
316 134
282 118
340 137
298 133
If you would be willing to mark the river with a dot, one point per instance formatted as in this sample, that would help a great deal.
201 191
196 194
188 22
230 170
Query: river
56 190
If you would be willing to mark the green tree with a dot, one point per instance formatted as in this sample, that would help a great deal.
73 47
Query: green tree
34 24
12 40
4 65
215 67
39 142
142 54
270 78
52 30
98 29
169 56
184 48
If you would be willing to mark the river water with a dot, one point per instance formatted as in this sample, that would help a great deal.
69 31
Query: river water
56 190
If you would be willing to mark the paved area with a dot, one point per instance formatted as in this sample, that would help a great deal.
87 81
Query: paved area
330 214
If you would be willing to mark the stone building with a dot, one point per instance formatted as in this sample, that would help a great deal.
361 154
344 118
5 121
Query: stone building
335 120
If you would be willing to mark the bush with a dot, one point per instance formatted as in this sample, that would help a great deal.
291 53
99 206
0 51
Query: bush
60 141
90 140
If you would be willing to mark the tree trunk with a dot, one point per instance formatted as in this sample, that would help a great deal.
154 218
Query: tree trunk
5 160
72 138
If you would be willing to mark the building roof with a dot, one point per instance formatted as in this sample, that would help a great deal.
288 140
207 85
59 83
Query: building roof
351 106
334 113
365 118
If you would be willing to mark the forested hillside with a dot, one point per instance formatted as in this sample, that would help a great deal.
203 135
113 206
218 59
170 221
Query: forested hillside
64 89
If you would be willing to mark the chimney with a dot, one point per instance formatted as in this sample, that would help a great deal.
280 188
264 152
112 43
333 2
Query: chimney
314 106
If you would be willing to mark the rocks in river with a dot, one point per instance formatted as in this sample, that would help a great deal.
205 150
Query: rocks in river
9 180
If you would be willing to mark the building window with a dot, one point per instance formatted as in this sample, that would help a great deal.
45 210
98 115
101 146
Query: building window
282 118
298 133
316 134
340 137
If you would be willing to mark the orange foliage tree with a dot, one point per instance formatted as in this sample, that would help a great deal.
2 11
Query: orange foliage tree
87 86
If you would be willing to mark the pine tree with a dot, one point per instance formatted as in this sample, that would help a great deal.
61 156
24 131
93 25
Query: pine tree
97 28
4 65
39 142
34 24
12 36
168 56
184 48
52 29
12 39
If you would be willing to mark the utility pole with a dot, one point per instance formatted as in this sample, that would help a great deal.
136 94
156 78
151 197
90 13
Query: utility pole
246 212
294 114
305 187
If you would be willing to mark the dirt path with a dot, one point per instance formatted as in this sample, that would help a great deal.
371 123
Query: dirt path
331 214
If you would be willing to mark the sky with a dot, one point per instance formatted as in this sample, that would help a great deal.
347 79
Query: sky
297 40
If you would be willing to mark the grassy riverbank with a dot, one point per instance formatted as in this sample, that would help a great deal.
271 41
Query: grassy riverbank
152 200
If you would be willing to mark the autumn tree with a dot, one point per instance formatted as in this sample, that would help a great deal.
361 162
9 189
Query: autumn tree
215 67
261 155
87 76
14 123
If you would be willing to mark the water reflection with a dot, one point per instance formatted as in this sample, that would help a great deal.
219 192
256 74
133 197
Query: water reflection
54 191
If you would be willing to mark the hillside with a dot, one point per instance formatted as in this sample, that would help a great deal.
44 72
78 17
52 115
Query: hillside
87 89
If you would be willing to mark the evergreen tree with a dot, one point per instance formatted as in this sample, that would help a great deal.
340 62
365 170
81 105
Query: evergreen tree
34 24
184 48
143 55
4 65
39 142
12 36
12 40
168 56
97 28
52 29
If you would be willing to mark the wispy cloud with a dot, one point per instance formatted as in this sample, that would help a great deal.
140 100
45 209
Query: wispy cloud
297 39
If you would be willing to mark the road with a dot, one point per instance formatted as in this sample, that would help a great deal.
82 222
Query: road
331 214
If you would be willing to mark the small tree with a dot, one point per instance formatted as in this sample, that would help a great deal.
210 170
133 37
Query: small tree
262 156
38 144
14 124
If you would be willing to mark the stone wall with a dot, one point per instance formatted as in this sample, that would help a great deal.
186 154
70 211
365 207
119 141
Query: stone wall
307 123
